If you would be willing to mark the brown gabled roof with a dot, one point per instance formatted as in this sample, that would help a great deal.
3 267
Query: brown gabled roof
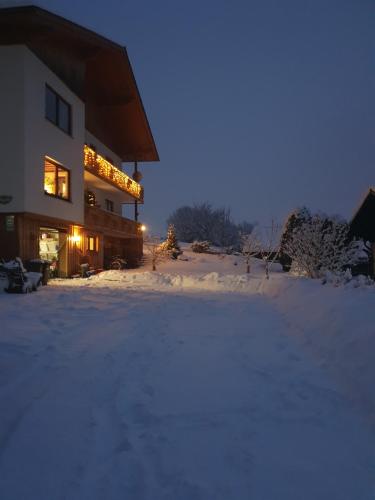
93 67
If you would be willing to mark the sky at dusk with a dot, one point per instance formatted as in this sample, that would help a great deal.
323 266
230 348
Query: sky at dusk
257 105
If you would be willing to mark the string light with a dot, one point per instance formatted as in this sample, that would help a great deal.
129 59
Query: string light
103 168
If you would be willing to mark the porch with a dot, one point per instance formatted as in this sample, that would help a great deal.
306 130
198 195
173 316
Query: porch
111 223
112 235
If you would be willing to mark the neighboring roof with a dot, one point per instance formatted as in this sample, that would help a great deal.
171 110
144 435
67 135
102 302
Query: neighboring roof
362 224
93 67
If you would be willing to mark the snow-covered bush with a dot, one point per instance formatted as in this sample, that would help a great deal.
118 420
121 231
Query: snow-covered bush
293 221
346 278
200 247
321 244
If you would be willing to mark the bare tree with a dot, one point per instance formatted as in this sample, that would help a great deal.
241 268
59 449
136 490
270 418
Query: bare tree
250 246
156 251
270 246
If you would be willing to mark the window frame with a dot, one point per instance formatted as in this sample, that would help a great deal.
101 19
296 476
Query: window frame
58 99
61 167
110 203
95 239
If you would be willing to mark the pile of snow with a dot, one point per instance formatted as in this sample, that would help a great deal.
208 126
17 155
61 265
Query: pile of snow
211 272
212 281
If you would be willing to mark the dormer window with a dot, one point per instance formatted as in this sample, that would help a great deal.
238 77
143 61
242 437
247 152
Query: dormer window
58 111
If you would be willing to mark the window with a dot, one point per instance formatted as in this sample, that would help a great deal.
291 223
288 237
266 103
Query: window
58 111
93 244
56 180
109 205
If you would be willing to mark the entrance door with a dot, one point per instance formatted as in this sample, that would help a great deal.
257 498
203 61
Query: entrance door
53 247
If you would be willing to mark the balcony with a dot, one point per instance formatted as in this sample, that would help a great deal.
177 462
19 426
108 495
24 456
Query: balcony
103 169
110 223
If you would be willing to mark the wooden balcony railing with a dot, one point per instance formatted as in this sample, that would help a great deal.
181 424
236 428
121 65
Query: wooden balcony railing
102 168
100 220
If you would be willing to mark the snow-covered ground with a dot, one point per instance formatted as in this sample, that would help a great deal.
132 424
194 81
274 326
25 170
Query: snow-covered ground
193 383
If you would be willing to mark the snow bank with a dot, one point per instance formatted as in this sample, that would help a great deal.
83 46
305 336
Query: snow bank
212 281
210 272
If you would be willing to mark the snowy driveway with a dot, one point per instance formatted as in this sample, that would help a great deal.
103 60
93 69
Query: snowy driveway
140 395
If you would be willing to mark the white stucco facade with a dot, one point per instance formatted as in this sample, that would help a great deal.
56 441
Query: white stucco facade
43 138
28 137
12 127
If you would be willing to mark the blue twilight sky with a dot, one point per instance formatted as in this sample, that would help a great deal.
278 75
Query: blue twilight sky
258 105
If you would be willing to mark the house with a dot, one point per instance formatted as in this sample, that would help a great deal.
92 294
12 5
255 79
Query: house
362 226
71 116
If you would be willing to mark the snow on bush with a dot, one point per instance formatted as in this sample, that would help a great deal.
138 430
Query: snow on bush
200 247
321 244
294 220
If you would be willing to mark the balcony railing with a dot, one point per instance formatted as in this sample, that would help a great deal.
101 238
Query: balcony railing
108 222
102 168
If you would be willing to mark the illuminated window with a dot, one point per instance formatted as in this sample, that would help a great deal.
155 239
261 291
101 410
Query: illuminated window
93 243
56 180
58 111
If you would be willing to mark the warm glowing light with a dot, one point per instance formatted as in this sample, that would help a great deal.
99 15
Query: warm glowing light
143 228
103 168
75 236
48 188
